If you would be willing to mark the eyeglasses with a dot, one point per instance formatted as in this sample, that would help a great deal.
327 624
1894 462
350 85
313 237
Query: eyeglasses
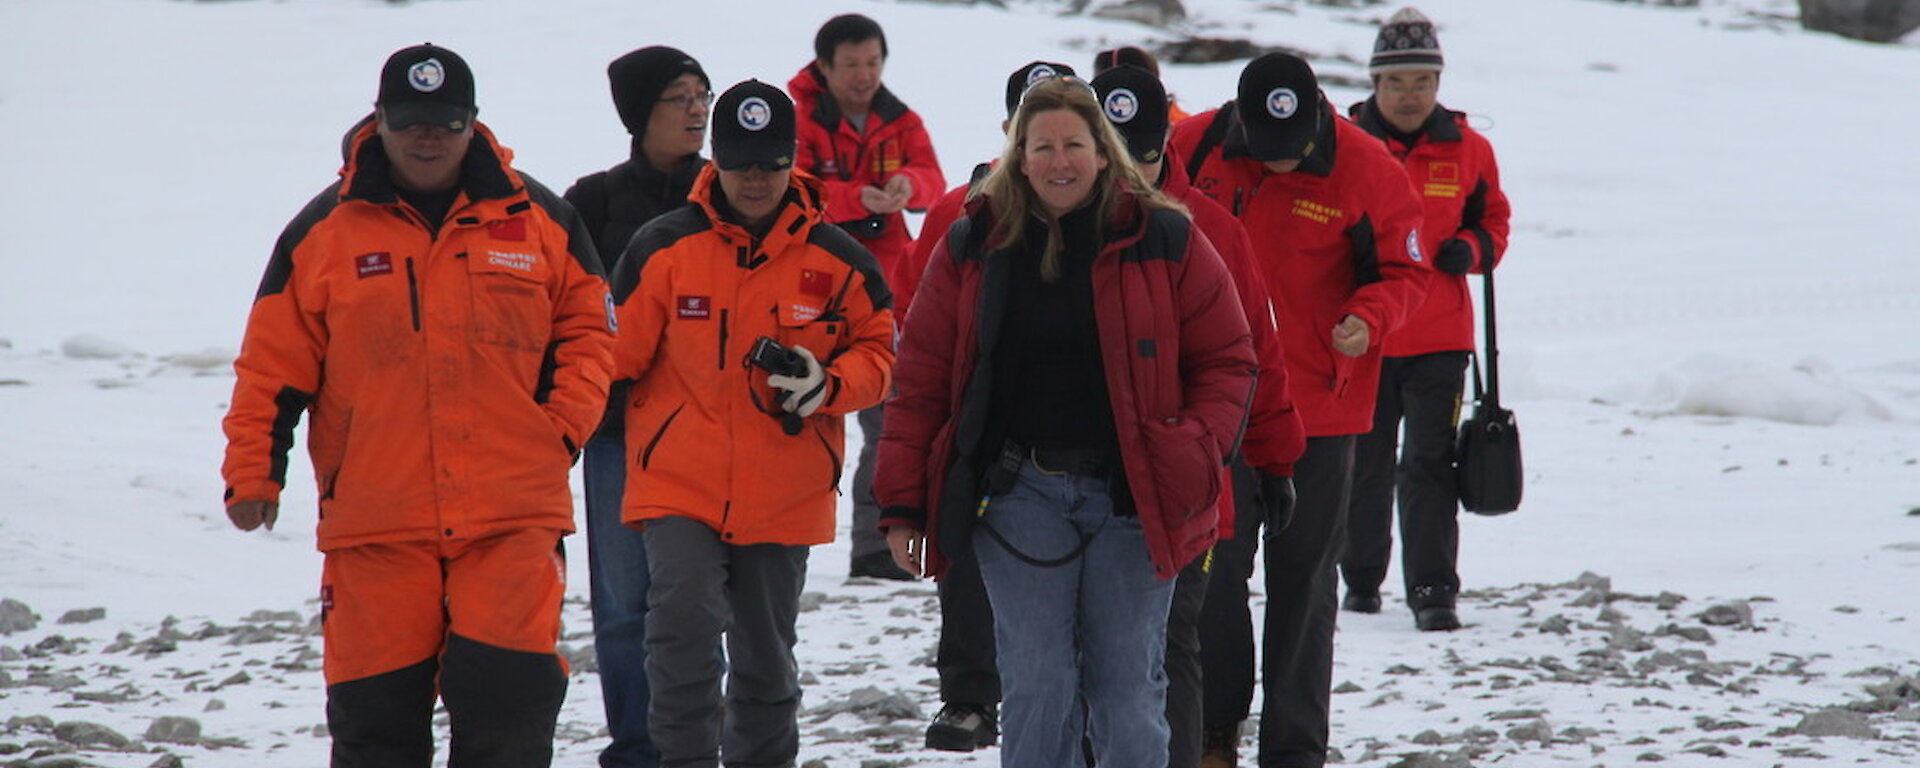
687 100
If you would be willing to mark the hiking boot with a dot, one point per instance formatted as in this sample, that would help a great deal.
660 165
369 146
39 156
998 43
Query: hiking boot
1361 602
878 565
1220 747
964 728
1438 618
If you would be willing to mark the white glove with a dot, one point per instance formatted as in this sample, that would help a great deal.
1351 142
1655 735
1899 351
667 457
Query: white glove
804 393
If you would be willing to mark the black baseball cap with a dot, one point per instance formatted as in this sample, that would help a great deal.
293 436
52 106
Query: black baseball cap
1279 107
1027 76
1136 103
426 84
753 124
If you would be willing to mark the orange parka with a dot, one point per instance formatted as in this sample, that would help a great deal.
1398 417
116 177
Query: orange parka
451 373
705 439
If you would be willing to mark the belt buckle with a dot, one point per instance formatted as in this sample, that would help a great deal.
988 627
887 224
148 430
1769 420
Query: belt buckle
1033 456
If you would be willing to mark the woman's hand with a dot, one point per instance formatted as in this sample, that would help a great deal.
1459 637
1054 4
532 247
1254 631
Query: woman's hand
909 549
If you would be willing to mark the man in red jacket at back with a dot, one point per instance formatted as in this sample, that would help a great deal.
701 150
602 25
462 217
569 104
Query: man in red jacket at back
1420 380
1335 227
874 154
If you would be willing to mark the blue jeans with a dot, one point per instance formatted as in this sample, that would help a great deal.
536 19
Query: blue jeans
1081 644
617 568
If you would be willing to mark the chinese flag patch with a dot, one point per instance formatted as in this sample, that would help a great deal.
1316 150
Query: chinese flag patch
370 264
514 229
813 282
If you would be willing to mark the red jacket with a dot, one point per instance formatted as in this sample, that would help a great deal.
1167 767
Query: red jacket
1179 382
1452 167
895 143
1338 236
694 292
451 372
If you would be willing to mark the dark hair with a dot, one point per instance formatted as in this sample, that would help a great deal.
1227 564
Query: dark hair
1125 56
846 28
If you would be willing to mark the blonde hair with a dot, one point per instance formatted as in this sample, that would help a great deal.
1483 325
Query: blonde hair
1010 194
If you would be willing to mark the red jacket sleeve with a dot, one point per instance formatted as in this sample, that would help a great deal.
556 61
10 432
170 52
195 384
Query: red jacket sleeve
1217 360
933 229
920 165
923 372
1393 213
1487 233
1275 437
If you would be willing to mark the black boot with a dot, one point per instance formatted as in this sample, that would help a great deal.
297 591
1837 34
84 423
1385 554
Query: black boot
1433 609
1220 747
964 727
878 565
1361 602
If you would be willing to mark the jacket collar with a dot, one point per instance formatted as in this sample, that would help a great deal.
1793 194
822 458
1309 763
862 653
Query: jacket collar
1442 124
810 85
800 211
485 174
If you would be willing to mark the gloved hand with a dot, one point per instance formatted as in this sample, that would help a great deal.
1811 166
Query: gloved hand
1455 257
1276 494
804 393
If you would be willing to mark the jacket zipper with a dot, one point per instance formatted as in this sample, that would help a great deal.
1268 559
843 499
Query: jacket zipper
832 456
723 340
646 456
413 294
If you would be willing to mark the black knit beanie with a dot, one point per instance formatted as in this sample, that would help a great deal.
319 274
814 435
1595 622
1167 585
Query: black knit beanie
639 78
1406 42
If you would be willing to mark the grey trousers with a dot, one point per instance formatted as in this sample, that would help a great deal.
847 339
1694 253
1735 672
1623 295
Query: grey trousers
866 536
703 588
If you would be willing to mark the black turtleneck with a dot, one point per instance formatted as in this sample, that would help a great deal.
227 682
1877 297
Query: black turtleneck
1049 387
1404 138
433 206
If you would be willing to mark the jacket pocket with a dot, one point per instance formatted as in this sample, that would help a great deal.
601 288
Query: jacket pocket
1184 464
511 304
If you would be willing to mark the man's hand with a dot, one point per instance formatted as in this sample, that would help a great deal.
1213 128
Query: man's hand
1276 494
901 188
804 392
248 515
1455 257
1351 337
909 549
882 201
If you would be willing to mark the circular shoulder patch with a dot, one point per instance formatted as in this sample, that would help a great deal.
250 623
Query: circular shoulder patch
1040 72
1122 106
754 114
1413 246
1282 103
427 76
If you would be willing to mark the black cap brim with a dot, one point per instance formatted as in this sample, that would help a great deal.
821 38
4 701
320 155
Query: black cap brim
1270 144
1146 146
736 159
407 114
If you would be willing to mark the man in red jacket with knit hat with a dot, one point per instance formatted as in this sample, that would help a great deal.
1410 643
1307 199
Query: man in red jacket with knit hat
1335 227
1453 168
877 161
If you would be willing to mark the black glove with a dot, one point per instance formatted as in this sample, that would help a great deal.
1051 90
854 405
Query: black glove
1276 494
1455 257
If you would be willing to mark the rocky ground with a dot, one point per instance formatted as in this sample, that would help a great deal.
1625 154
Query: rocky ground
1570 673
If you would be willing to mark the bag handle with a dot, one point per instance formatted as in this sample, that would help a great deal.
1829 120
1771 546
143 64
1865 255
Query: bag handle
1492 355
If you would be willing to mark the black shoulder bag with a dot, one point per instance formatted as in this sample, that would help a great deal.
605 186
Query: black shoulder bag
1487 450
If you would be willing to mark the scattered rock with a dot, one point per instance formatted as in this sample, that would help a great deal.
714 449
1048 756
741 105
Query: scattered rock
1432 760
1347 687
1737 614
82 615
872 705
1517 714
811 601
89 346
174 730
15 616
34 723
237 678
85 734
167 760
1835 721
214 705
1557 625
1668 601
1536 731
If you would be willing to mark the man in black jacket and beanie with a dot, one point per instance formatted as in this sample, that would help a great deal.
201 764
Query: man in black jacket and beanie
662 96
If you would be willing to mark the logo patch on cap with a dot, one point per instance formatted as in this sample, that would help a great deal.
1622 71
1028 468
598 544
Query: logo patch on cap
1122 106
427 76
1040 72
1282 103
754 114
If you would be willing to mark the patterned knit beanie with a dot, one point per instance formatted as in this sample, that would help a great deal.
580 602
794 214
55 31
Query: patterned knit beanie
1406 42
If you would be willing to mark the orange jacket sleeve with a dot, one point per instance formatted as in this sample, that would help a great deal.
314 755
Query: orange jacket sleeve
580 351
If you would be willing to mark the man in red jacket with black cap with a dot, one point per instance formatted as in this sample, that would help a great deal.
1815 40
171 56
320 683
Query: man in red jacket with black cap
1452 165
1335 227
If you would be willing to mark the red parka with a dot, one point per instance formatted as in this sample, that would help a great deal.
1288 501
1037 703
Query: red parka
1180 371
848 159
1338 236
1452 167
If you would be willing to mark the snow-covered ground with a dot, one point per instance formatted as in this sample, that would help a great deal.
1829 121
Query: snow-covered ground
1709 332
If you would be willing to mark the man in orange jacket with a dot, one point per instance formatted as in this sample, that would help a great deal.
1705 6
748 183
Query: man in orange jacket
444 319
1420 377
876 160
750 328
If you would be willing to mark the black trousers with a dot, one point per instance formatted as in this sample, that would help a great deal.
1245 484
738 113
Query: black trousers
1423 393
1296 674
969 674
1226 621
1184 707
